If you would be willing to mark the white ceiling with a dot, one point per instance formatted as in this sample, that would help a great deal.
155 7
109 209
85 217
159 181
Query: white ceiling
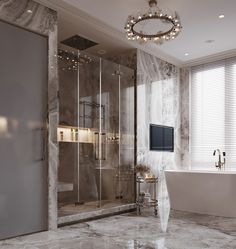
104 20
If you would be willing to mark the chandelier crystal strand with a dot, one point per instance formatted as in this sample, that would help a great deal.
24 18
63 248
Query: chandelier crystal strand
154 13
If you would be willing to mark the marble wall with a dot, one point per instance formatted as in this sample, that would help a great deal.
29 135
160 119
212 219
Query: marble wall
162 98
158 102
42 21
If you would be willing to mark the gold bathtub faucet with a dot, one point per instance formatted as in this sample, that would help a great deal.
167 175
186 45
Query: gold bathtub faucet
220 165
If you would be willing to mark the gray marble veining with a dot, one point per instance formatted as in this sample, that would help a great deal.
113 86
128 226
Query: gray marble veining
158 102
129 231
42 20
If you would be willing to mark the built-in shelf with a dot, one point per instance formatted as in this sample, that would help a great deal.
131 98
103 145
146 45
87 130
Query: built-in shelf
73 134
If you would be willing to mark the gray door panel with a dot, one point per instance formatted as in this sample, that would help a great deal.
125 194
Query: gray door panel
23 136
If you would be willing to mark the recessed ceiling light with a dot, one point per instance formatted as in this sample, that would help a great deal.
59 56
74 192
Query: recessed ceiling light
221 16
209 41
186 54
101 51
29 11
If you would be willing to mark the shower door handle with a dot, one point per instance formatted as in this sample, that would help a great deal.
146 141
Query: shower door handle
42 137
44 149
104 146
100 148
96 145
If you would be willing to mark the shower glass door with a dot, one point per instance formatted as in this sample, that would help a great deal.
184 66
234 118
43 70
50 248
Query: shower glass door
89 112
109 169
97 159
127 142
106 137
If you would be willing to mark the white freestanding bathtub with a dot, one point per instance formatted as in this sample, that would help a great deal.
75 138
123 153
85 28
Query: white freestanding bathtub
200 191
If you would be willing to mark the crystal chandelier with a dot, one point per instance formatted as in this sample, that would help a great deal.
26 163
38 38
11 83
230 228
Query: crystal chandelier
153 25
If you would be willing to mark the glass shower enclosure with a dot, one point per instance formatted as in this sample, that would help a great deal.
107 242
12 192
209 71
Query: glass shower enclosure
96 134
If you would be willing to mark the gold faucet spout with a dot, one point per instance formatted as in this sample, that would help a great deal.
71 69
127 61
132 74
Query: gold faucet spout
220 165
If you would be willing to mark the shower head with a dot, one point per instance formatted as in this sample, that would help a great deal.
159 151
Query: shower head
79 42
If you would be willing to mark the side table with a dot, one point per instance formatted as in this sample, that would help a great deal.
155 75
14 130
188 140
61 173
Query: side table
141 202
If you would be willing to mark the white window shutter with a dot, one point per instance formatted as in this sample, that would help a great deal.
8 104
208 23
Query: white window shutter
213 113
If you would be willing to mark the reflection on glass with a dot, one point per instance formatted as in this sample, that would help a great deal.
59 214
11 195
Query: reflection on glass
3 126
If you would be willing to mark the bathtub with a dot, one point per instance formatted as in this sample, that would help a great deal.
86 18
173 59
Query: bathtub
201 191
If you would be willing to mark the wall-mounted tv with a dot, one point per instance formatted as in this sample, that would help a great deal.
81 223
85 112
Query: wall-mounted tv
161 138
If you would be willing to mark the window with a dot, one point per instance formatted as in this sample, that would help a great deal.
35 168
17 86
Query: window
213 113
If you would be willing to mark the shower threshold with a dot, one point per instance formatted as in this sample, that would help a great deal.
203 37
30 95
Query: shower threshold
75 213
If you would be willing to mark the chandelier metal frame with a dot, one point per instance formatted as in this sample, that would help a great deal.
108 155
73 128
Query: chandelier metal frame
154 13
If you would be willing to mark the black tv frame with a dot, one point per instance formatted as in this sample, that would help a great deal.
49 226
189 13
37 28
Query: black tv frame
161 126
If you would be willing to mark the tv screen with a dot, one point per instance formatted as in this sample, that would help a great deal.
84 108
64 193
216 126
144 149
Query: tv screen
161 138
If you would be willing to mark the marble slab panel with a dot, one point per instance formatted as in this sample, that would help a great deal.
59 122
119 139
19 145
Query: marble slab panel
162 98
158 102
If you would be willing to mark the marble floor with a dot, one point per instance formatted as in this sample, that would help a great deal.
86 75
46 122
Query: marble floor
129 231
